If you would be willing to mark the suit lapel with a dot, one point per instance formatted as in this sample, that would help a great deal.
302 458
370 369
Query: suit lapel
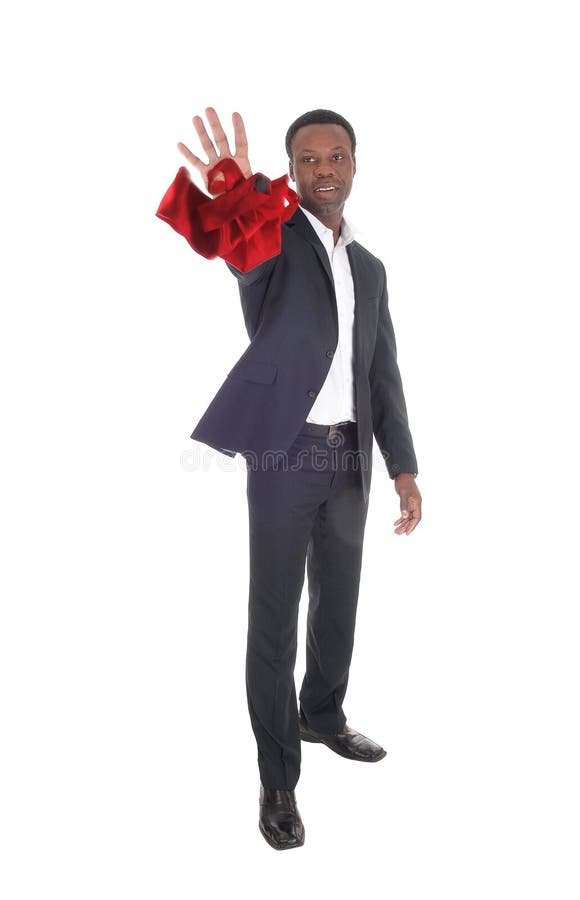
359 306
300 223
361 283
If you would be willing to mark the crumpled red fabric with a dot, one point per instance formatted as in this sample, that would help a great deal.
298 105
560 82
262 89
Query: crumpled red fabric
241 225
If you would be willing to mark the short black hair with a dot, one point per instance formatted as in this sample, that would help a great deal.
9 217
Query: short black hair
318 117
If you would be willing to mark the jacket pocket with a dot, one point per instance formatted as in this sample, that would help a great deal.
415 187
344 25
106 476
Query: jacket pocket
255 370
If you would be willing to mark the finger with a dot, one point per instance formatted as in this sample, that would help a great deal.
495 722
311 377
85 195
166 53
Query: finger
204 138
408 510
240 136
412 524
410 505
191 157
218 132
406 527
409 524
403 527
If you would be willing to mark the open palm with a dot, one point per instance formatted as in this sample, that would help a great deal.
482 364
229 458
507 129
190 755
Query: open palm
219 148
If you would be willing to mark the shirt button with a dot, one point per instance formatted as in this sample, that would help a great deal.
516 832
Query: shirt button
312 393
330 353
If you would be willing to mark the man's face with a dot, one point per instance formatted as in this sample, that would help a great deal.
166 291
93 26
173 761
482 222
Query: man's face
323 168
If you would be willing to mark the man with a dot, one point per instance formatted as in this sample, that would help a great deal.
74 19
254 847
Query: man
318 380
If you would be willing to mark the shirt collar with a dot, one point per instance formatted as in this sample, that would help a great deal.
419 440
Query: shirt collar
347 228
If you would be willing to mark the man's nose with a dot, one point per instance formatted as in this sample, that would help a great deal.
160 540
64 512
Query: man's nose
324 170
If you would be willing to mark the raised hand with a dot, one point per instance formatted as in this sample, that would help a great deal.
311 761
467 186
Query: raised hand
240 156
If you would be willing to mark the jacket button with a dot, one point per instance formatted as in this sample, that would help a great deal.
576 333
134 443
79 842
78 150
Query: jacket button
312 393
330 353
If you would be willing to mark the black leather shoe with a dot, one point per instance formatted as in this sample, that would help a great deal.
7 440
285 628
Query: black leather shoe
348 743
280 821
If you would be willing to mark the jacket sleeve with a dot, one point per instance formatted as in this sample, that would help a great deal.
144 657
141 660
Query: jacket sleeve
389 411
253 286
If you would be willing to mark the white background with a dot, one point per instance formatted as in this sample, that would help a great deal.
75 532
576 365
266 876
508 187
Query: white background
128 761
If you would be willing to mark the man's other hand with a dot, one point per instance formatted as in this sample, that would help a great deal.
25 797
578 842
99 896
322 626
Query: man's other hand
221 144
408 491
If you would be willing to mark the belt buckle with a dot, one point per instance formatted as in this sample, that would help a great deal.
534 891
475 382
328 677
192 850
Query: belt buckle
335 436
334 429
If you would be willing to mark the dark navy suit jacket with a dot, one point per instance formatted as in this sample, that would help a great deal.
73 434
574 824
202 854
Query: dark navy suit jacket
291 317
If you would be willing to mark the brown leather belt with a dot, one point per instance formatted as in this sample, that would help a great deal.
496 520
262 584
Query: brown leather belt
326 430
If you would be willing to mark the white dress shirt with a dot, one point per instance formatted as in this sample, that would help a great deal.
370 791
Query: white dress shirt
336 399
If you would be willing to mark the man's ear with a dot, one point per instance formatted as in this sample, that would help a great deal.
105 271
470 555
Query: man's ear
354 165
291 170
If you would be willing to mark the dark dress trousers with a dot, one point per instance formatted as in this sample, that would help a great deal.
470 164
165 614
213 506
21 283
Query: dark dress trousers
307 494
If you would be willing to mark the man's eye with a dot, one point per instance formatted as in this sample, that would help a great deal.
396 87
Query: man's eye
338 156
308 158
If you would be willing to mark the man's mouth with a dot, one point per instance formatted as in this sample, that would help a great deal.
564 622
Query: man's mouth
325 188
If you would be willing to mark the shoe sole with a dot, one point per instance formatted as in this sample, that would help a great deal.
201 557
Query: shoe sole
276 846
314 740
